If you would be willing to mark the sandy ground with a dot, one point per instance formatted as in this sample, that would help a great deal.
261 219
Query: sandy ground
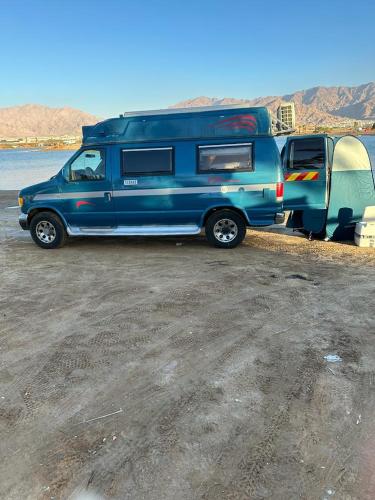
165 369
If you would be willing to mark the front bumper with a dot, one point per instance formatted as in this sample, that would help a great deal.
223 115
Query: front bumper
22 219
279 217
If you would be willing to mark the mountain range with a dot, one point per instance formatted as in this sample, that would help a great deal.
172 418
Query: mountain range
318 106
36 120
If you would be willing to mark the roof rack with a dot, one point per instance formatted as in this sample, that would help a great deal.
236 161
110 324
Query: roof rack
195 109
279 127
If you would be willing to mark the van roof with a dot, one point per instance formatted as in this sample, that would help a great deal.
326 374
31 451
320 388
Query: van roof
181 123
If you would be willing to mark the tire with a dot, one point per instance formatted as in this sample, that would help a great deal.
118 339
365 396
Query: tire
225 229
47 230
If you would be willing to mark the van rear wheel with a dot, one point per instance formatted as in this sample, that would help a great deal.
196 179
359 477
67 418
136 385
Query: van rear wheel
225 229
47 230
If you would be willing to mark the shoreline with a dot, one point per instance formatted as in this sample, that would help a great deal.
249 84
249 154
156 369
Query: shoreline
68 147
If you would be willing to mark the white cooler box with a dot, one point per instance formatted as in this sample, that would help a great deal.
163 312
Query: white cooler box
364 235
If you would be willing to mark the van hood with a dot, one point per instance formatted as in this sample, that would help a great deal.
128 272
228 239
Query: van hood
49 186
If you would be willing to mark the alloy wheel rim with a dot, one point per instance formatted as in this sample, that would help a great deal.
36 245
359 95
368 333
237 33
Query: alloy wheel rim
45 231
225 230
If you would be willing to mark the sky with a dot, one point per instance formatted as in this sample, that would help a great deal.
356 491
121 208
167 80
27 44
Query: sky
110 56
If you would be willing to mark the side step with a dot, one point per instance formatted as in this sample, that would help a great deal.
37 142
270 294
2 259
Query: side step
134 231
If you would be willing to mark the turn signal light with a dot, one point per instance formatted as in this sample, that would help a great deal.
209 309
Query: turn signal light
279 191
20 201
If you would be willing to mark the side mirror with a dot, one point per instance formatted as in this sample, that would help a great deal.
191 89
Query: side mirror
64 173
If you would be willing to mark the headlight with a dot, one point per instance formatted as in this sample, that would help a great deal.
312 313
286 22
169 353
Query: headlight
20 201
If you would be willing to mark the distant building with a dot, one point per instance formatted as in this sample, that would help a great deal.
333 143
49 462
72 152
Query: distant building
287 114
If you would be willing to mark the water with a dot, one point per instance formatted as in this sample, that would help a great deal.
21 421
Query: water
20 168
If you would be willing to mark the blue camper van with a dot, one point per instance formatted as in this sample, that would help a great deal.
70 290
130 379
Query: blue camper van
167 172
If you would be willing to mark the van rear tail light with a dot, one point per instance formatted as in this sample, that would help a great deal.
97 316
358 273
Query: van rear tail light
279 191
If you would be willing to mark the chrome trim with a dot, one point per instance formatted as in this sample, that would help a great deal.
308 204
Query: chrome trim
134 231
279 218
22 217
148 149
203 146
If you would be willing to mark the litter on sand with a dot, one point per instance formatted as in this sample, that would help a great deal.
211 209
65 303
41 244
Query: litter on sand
332 358
330 491
102 416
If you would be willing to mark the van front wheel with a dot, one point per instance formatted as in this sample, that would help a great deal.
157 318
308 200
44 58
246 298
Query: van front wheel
225 229
47 230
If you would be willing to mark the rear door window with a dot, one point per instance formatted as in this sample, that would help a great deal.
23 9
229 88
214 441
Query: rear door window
306 153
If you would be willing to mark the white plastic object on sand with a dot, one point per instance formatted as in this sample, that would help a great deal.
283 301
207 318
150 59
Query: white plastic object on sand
364 235
332 358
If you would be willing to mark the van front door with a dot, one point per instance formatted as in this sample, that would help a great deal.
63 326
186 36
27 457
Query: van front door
86 192
305 173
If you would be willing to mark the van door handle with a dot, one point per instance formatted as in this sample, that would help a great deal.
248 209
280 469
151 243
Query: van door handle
107 196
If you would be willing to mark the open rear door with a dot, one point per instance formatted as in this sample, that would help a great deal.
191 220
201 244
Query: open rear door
352 188
305 173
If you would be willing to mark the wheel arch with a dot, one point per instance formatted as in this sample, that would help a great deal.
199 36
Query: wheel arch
36 210
214 209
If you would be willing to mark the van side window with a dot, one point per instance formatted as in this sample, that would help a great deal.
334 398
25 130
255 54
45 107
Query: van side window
306 153
228 158
147 161
88 166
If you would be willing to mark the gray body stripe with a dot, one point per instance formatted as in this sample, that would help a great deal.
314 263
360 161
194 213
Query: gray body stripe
193 190
70 196
159 192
